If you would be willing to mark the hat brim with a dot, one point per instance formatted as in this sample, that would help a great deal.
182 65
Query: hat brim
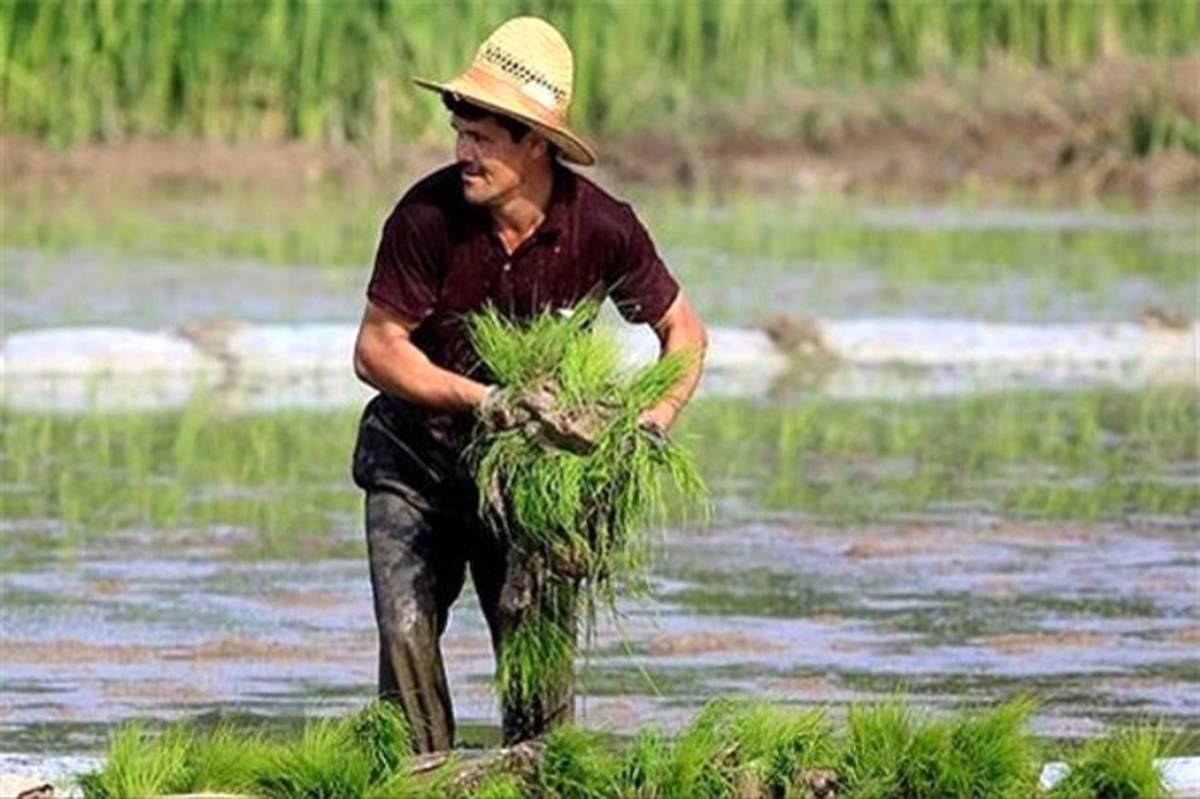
572 147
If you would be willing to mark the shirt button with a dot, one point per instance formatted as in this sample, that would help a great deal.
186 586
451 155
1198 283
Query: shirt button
507 266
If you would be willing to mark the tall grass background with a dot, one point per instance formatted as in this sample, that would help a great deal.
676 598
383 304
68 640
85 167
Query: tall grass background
73 70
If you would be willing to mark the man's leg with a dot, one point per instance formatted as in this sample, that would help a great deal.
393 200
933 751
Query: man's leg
416 574
509 593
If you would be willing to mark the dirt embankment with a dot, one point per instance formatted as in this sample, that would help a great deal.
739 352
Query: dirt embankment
1120 127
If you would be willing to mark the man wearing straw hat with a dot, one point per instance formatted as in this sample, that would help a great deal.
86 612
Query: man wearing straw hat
508 224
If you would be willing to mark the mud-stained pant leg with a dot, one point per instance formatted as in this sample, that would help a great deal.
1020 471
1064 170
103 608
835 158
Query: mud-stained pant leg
499 581
414 581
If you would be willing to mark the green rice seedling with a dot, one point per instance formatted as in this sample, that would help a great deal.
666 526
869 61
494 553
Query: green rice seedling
382 731
576 765
700 758
578 518
323 762
986 753
140 765
643 768
501 786
226 760
1118 766
537 656
878 741
778 745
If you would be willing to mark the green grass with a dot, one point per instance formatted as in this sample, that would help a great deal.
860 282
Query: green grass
733 749
1119 766
271 475
71 71
1086 455
364 755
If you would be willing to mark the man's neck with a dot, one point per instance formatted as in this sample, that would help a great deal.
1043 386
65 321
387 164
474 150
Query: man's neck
518 216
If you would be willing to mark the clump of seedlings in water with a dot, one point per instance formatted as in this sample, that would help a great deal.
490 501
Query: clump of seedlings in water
733 749
574 506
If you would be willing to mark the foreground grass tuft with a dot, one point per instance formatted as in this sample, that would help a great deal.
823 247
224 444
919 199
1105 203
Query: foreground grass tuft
1120 766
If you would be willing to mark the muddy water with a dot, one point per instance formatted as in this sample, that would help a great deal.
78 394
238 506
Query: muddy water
741 262
1101 623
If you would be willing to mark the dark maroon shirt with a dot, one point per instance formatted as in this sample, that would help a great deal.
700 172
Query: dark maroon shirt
440 259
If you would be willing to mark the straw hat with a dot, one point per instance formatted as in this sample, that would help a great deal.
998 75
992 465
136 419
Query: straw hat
524 70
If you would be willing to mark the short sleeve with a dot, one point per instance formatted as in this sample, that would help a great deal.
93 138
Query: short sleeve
639 283
406 278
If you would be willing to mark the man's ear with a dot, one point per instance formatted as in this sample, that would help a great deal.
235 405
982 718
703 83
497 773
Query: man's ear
539 146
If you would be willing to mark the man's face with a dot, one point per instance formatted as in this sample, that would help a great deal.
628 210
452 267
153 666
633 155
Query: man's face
493 165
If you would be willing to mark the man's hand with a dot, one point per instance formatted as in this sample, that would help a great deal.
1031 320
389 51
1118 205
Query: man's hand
659 418
501 409
535 409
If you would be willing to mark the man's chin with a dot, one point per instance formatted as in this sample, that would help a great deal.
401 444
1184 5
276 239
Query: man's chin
474 195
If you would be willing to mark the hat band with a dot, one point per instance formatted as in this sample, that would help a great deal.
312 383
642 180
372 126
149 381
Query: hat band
508 94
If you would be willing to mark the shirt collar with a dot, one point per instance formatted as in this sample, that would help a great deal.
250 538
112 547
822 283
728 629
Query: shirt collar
558 209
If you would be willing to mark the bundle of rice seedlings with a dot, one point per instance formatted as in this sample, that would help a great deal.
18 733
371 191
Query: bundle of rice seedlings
577 516
364 755
1118 766
890 752
577 765
140 765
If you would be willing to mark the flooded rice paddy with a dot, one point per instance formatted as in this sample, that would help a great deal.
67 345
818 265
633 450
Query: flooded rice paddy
956 551
187 256
201 563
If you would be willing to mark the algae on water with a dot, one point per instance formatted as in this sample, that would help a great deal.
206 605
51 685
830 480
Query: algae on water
576 517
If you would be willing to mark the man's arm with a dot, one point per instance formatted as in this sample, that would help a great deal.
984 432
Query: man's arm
679 329
386 359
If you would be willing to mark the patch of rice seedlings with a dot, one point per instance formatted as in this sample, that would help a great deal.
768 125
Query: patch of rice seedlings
577 765
140 765
776 746
733 749
878 741
698 760
226 760
577 518
382 731
889 751
323 762
980 753
501 786
643 767
1118 766
361 757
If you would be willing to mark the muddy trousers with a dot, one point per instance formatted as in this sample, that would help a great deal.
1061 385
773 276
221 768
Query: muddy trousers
418 561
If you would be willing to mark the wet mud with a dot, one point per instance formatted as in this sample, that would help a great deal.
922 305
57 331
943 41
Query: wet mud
1099 622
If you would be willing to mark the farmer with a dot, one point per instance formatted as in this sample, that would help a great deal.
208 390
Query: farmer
508 224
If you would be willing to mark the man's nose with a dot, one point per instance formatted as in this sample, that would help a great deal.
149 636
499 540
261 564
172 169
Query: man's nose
465 150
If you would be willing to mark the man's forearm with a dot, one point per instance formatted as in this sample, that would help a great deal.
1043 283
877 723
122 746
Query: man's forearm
682 333
682 391
407 373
